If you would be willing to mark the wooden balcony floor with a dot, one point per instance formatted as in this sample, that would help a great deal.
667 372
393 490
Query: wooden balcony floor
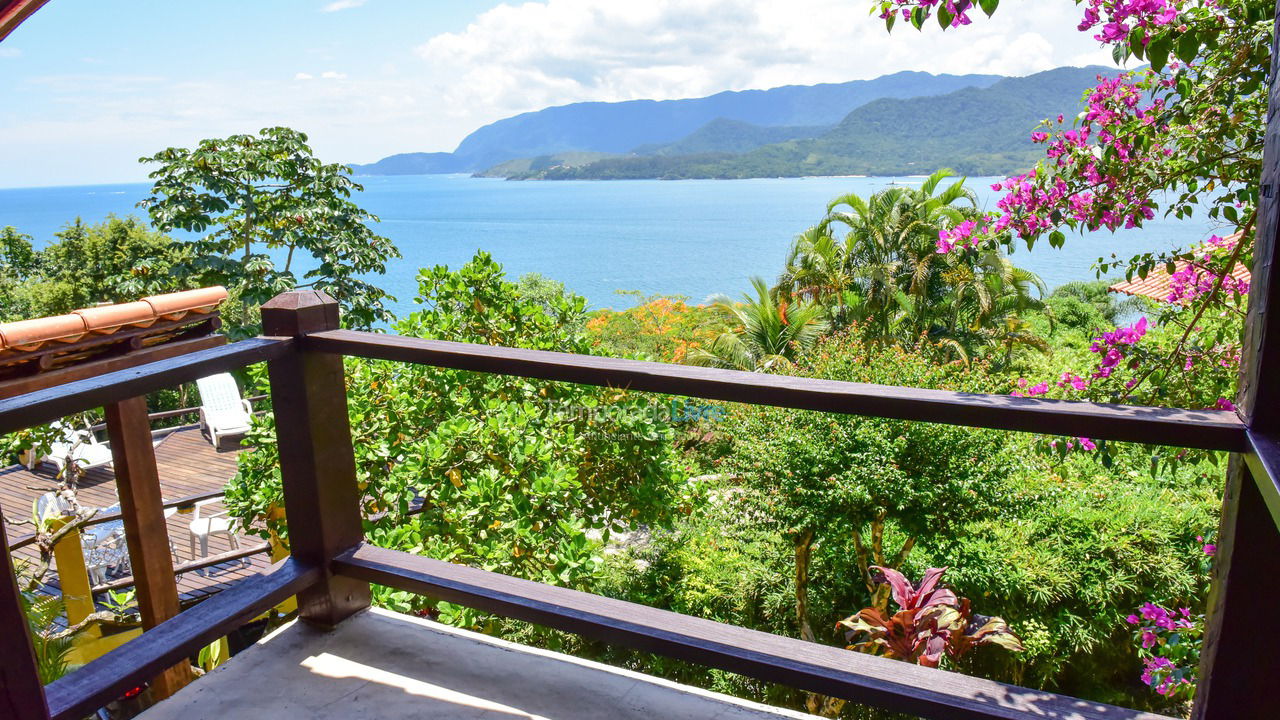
380 664
188 465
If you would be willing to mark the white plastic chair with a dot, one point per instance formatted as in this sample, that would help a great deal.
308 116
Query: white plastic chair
222 411
81 446
207 526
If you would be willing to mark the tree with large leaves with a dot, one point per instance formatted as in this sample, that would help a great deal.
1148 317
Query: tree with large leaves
265 201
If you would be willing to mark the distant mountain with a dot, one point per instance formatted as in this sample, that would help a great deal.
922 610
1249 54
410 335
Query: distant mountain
414 164
732 136
976 131
622 126
542 163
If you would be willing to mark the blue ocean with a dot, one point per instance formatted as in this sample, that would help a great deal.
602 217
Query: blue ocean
691 237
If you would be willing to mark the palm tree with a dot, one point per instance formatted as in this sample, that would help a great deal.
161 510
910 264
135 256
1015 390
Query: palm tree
886 275
769 332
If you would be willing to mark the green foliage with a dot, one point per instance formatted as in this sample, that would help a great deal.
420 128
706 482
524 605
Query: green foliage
116 260
768 334
1089 307
51 648
665 328
267 192
874 262
511 475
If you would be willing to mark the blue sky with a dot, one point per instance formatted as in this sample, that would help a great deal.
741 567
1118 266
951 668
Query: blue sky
87 87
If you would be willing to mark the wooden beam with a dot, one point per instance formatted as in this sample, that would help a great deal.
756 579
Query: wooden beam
890 684
21 693
110 676
13 12
145 527
1209 429
197 564
61 376
317 463
99 518
41 406
1235 679
1263 461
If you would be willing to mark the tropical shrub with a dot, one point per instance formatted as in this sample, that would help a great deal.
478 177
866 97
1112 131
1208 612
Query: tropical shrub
1184 132
664 328
767 333
882 485
512 475
931 623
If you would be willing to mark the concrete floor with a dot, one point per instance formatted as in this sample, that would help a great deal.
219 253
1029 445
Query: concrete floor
381 664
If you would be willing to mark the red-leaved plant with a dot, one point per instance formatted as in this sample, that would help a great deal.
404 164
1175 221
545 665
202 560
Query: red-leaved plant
930 622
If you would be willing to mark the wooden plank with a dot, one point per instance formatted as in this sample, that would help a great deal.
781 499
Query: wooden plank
889 684
1264 465
61 376
100 518
48 404
317 463
106 678
145 528
21 693
1235 681
12 14
1209 429
192 565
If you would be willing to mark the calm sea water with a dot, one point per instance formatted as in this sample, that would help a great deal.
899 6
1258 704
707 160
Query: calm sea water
689 237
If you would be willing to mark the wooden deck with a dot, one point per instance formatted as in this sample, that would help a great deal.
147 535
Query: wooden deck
188 465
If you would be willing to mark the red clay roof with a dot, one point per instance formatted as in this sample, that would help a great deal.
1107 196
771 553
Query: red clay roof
1156 284
27 335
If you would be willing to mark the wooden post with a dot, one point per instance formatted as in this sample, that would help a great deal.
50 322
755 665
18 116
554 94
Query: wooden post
145 528
317 464
21 693
1237 680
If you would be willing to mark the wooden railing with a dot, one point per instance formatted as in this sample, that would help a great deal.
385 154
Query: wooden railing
331 566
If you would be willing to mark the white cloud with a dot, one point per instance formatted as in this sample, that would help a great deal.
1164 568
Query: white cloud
511 59
9 52
515 58
342 5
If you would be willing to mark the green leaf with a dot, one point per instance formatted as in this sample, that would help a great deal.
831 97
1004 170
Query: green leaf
1136 36
944 17
1158 53
1188 47
989 6
918 17
1057 239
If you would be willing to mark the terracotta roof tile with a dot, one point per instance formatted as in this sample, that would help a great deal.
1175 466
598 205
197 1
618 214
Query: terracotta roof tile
1156 284
30 334
176 304
109 318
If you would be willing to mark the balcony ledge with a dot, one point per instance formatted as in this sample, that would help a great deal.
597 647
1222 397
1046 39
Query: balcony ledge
385 665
